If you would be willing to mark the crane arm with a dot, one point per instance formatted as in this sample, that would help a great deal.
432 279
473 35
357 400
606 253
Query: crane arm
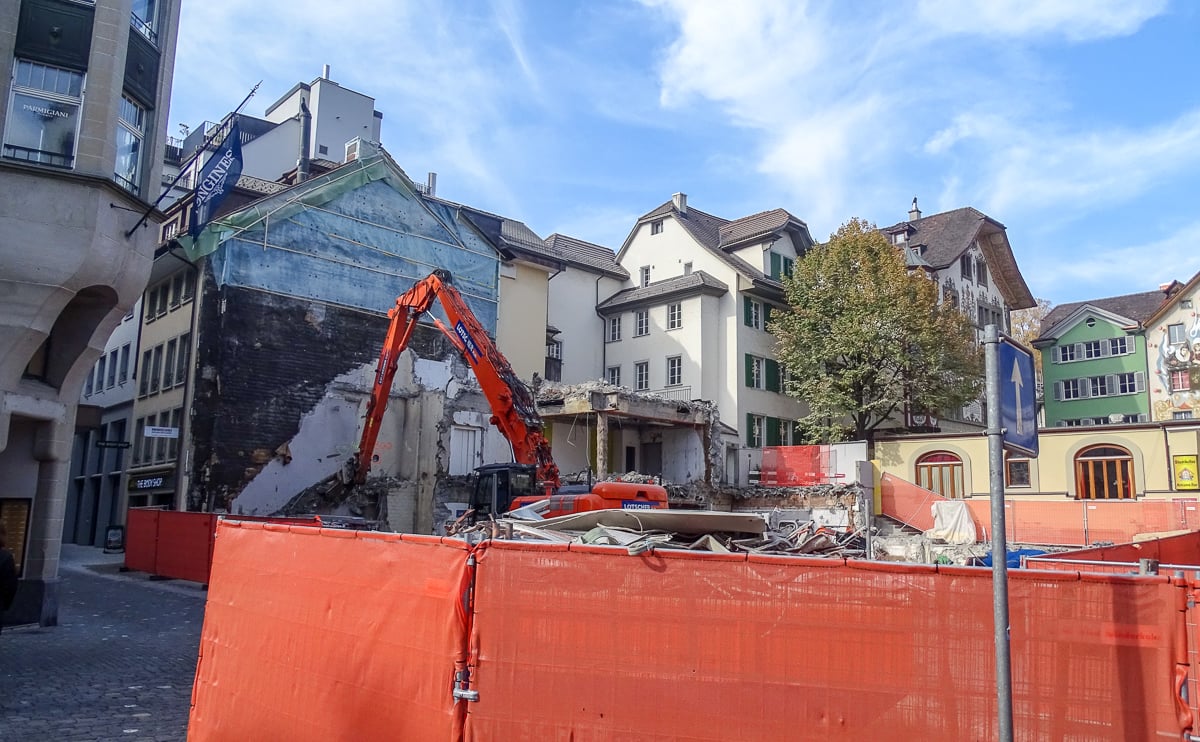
514 410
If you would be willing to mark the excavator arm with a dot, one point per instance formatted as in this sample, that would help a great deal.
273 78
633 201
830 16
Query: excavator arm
514 410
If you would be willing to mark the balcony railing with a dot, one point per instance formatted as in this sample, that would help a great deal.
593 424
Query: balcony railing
683 393
40 156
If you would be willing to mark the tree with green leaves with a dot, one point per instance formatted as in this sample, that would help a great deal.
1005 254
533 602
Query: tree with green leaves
865 336
1026 326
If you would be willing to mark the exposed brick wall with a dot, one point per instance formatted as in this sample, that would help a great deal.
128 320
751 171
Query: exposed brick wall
264 360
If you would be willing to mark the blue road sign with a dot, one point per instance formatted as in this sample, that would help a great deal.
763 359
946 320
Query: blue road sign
1018 406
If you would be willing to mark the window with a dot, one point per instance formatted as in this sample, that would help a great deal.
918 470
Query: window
753 313
1181 415
641 322
173 443
1131 383
160 443
641 375
177 291
1092 349
1180 380
644 272
185 350
169 365
941 472
656 227
1066 353
1104 473
189 286
1099 386
131 130
687 268
781 266
1016 472
163 298
144 387
123 374
111 379
1072 389
755 429
614 329
101 365
966 271
43 114
554 349
156 368
1175 334
755 374
613 374
88 384
553 370
1118 346
674 316
674 371
143 19
981 276
140 442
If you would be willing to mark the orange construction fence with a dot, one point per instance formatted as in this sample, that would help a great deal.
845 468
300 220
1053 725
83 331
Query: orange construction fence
169 543
324 634
796 466
1051 521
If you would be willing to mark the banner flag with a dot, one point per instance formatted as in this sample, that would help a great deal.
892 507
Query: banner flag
217 179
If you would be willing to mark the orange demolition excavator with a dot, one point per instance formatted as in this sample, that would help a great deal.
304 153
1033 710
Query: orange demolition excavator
498 487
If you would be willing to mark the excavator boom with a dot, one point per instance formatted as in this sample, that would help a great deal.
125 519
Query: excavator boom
514 410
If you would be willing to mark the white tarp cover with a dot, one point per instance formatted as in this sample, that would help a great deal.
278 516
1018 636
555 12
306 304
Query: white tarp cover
952 523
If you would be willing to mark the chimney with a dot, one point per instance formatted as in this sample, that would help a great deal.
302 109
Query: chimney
914 213
431 184
325 72
680 201
305 132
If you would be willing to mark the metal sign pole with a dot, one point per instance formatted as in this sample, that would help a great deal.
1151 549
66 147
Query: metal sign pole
995 433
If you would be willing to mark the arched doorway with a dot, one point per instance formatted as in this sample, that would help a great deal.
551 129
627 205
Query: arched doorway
1104 472
941 472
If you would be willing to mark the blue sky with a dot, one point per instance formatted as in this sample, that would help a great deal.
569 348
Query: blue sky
1076 124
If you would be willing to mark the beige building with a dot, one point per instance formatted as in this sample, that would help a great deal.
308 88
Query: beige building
84 135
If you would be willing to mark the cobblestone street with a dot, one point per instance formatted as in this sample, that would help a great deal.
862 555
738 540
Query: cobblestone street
119 665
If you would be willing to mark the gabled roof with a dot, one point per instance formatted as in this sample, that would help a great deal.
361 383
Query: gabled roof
721 236
945 237
585 255
697 282
1128 310
514 238
1173 292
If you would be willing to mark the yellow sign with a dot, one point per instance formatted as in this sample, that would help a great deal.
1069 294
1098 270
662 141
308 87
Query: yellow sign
1186 473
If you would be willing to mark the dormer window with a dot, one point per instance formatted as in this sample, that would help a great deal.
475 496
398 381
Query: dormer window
656 227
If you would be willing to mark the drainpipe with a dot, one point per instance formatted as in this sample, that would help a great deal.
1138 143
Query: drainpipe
305 133
603 330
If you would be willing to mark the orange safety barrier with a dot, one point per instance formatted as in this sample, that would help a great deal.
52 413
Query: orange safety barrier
324 634
794 466
1050 521
141 539
590 643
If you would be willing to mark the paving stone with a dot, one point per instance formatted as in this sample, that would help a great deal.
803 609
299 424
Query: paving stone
119 666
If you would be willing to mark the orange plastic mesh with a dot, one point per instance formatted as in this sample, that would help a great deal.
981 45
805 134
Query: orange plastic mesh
322 634
590 643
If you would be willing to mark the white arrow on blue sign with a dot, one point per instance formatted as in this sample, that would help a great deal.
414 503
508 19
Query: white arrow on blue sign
1018 403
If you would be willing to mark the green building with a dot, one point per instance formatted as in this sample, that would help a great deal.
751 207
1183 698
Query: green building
1094 360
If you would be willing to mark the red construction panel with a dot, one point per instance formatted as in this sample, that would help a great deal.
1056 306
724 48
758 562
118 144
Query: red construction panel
591 645
141 539
185 544
326 634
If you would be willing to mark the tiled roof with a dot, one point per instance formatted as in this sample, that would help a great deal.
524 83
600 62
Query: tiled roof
706 229
755 226
585 255
697 282
942 238
1137 307
507 233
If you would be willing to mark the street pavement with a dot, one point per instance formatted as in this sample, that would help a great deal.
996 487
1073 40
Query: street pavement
119 666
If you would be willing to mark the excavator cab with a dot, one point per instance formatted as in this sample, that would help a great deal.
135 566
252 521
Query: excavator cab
498 485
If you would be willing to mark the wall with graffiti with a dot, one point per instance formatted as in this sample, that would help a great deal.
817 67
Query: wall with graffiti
1173 353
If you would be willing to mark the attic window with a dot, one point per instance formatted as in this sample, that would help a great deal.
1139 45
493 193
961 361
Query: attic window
899 238
1091 322
656 227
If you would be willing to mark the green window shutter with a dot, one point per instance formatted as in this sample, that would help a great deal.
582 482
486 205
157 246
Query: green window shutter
773 438
749 370
747 311
766 314
776 264
796 433
772 375
750 430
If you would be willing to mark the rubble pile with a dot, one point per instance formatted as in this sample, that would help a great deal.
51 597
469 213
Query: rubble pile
643 531
552 391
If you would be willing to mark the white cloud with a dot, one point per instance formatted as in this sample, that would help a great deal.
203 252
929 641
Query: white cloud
1073 20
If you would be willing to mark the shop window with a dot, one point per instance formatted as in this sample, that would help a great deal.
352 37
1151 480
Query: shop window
1104 473
941 472
1017 472
43 114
